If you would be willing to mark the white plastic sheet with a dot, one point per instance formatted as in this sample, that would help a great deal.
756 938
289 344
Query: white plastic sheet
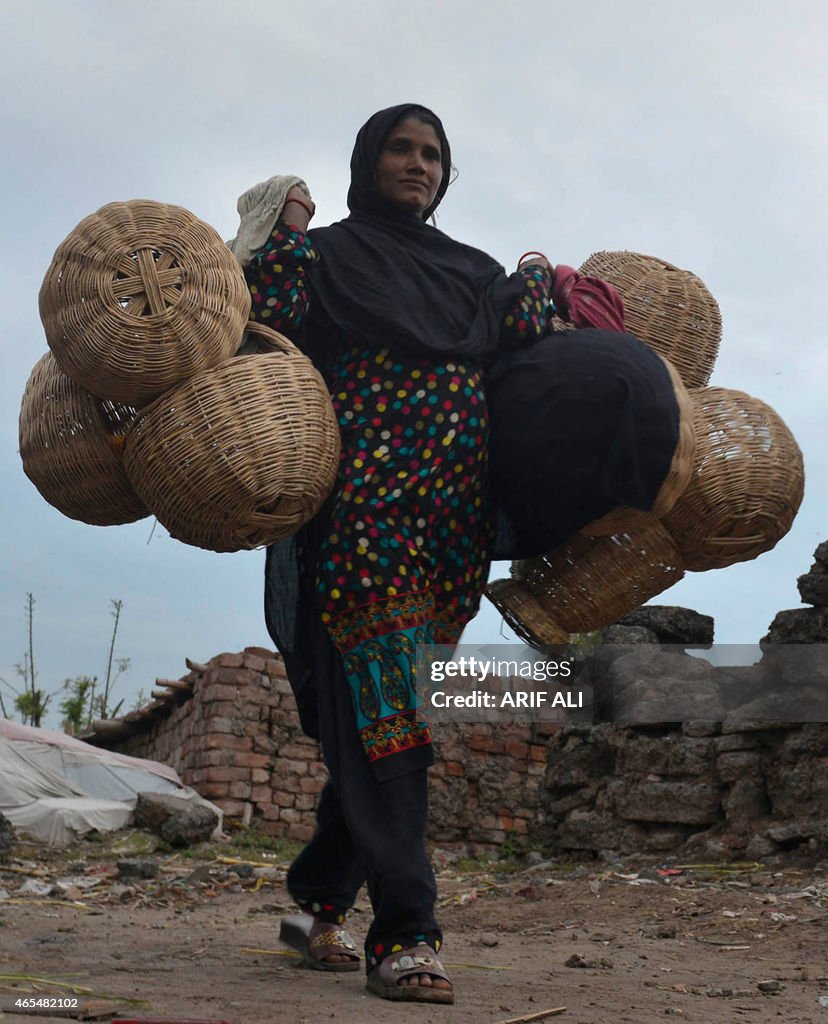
56 787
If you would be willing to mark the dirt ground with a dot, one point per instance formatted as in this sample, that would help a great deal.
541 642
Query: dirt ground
611 943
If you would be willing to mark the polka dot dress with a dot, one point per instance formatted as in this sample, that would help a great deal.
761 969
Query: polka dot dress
406 556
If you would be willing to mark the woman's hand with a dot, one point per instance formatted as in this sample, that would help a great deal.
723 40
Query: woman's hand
298 209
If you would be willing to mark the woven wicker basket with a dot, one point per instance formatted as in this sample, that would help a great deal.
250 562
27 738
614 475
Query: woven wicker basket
140 296
587 583
240 456
623 519
524 614
669 308
747 483
70 444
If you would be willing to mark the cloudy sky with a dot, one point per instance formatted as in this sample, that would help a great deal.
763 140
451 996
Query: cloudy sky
694 132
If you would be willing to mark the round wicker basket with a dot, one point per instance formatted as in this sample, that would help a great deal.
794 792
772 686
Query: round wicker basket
140 296
669 308
747 483
524 614
623 519
241 455
70 444
588 583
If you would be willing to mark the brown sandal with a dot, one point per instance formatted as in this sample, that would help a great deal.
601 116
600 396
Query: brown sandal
384 979
317 940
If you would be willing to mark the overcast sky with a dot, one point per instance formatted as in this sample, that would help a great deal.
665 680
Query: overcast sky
694 132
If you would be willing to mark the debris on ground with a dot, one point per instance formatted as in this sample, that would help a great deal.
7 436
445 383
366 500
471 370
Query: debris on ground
193 932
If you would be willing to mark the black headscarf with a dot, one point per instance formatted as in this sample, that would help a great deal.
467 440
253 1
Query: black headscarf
392 280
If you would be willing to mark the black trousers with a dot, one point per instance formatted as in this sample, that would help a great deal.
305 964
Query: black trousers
367 830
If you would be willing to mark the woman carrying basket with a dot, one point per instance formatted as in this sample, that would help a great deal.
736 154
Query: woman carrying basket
401 321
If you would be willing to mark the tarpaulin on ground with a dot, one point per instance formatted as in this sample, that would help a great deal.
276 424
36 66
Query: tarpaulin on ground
56 787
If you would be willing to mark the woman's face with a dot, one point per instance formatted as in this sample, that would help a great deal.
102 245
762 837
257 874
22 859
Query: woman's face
409 171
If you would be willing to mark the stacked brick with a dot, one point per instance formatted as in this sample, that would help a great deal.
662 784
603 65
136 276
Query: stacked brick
237 740
485 789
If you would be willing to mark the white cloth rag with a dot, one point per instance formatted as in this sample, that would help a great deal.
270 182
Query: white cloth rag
259 209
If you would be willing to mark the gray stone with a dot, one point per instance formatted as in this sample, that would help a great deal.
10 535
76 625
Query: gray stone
813 585
787 668
738 764
813 588
737 684
593 831
632 636
811 739
6 837
178 821
798 626
821 555
664 839
690 756
617 642
137 868
798 790
710 846
268 871
683 803
665 755
203 873
760 846
672 624
666 688
558 808
644 755
607 657
735 741
577 764
746 801
798 831
779 711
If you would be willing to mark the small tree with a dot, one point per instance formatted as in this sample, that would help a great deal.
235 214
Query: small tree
32 702
82 704
76 706
122 665
32 707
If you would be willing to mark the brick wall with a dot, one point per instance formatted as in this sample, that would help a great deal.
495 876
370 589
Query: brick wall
696 789
486 784
236 738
